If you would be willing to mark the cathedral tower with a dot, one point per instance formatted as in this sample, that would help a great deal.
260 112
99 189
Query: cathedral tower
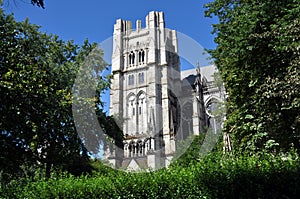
145 85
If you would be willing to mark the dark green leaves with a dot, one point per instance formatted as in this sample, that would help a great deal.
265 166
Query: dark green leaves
37 73
258 57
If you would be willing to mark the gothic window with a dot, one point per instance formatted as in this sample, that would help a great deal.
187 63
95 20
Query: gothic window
214 117
141 78
130 79
139 148
211 107
186 120
131 114
141 57
131 58
142 112
131 148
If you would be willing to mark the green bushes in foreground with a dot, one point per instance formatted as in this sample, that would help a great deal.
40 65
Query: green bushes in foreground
214 176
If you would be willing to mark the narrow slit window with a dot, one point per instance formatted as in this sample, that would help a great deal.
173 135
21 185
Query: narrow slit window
131 58
143 56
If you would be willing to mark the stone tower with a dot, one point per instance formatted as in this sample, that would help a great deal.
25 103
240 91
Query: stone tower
144 89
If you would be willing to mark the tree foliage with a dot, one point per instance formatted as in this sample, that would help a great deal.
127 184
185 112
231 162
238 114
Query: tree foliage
37 73
258 55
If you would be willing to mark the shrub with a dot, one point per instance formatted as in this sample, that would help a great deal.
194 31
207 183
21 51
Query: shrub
213 176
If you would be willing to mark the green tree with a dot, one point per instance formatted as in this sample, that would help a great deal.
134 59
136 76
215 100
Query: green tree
37 73
257 54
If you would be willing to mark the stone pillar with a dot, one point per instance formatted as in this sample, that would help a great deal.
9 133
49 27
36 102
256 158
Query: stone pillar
155 161
138 25
136 57
196 121
151 160
146 56
126 63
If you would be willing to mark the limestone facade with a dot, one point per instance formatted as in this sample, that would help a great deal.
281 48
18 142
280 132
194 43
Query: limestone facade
155 102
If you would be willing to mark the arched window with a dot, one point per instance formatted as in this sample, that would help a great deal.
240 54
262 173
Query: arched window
131 148
139 148
131 114
131 80
141 78
141 57
215 114
131 58
141 112
186 121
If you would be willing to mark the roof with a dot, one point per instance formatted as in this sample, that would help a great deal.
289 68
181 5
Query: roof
206 71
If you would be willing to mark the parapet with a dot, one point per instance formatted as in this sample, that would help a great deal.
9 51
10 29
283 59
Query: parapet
153 20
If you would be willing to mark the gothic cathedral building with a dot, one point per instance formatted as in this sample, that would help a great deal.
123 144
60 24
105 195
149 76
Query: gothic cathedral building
156 104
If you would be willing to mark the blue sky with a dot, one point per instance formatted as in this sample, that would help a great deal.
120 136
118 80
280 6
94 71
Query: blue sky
94 19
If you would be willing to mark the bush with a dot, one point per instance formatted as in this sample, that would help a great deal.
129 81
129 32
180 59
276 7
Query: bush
213 176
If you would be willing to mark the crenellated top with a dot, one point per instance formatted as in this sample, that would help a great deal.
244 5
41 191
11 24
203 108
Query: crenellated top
153 20
153 44
122 26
